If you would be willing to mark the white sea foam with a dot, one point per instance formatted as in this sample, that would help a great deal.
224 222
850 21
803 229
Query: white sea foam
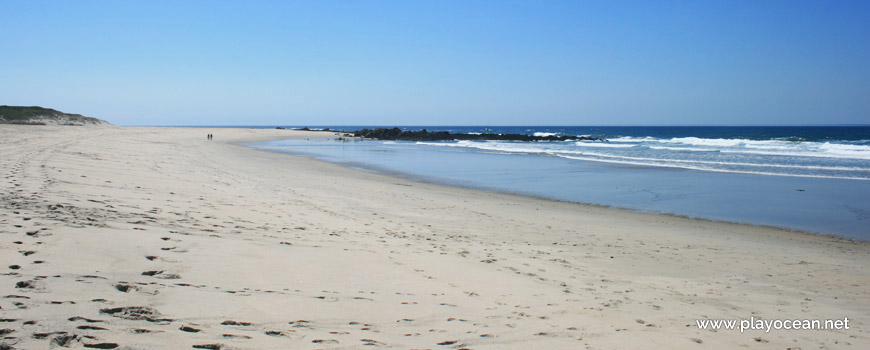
603 145
632 139
689 149
831 150
666 159
859 151
545 134
813 154
773 151
697 141
446 143
757 147
700 168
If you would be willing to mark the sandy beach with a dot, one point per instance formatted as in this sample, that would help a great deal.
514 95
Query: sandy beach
156 238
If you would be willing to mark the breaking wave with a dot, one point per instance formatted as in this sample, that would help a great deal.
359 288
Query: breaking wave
782 157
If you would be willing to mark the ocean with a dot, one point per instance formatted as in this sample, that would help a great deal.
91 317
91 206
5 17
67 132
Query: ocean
814 179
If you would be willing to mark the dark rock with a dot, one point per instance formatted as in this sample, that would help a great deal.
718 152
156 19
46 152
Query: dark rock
425 135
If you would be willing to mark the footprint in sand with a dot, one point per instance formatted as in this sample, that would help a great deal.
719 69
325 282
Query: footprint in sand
370 342
79 318
236 336
135 313
190 329
63 340
26 284
126 288
160 274
209 346
94 328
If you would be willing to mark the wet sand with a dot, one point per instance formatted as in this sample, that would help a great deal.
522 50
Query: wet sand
154 238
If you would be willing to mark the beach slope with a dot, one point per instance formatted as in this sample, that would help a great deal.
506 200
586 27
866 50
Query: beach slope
153 238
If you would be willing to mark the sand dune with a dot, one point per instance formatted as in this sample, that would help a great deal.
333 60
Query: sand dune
153 238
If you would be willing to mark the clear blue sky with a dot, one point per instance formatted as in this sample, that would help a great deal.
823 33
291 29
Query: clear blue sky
440 62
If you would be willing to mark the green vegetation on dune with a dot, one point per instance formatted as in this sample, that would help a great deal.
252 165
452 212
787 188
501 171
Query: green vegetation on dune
40 115
22 113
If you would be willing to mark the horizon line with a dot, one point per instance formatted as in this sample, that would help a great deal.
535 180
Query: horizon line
495 125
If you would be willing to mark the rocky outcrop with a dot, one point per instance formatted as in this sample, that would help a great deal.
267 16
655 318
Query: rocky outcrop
44 116
424 135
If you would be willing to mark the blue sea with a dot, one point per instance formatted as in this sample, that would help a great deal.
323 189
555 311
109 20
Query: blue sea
814 179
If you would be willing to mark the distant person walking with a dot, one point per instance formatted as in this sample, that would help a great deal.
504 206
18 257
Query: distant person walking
210 136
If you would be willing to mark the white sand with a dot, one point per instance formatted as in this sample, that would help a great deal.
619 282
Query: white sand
314 255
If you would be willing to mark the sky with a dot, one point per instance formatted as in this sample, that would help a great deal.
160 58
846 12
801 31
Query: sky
440 62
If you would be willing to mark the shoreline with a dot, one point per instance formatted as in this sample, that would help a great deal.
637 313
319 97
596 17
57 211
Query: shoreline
433 181
221 244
